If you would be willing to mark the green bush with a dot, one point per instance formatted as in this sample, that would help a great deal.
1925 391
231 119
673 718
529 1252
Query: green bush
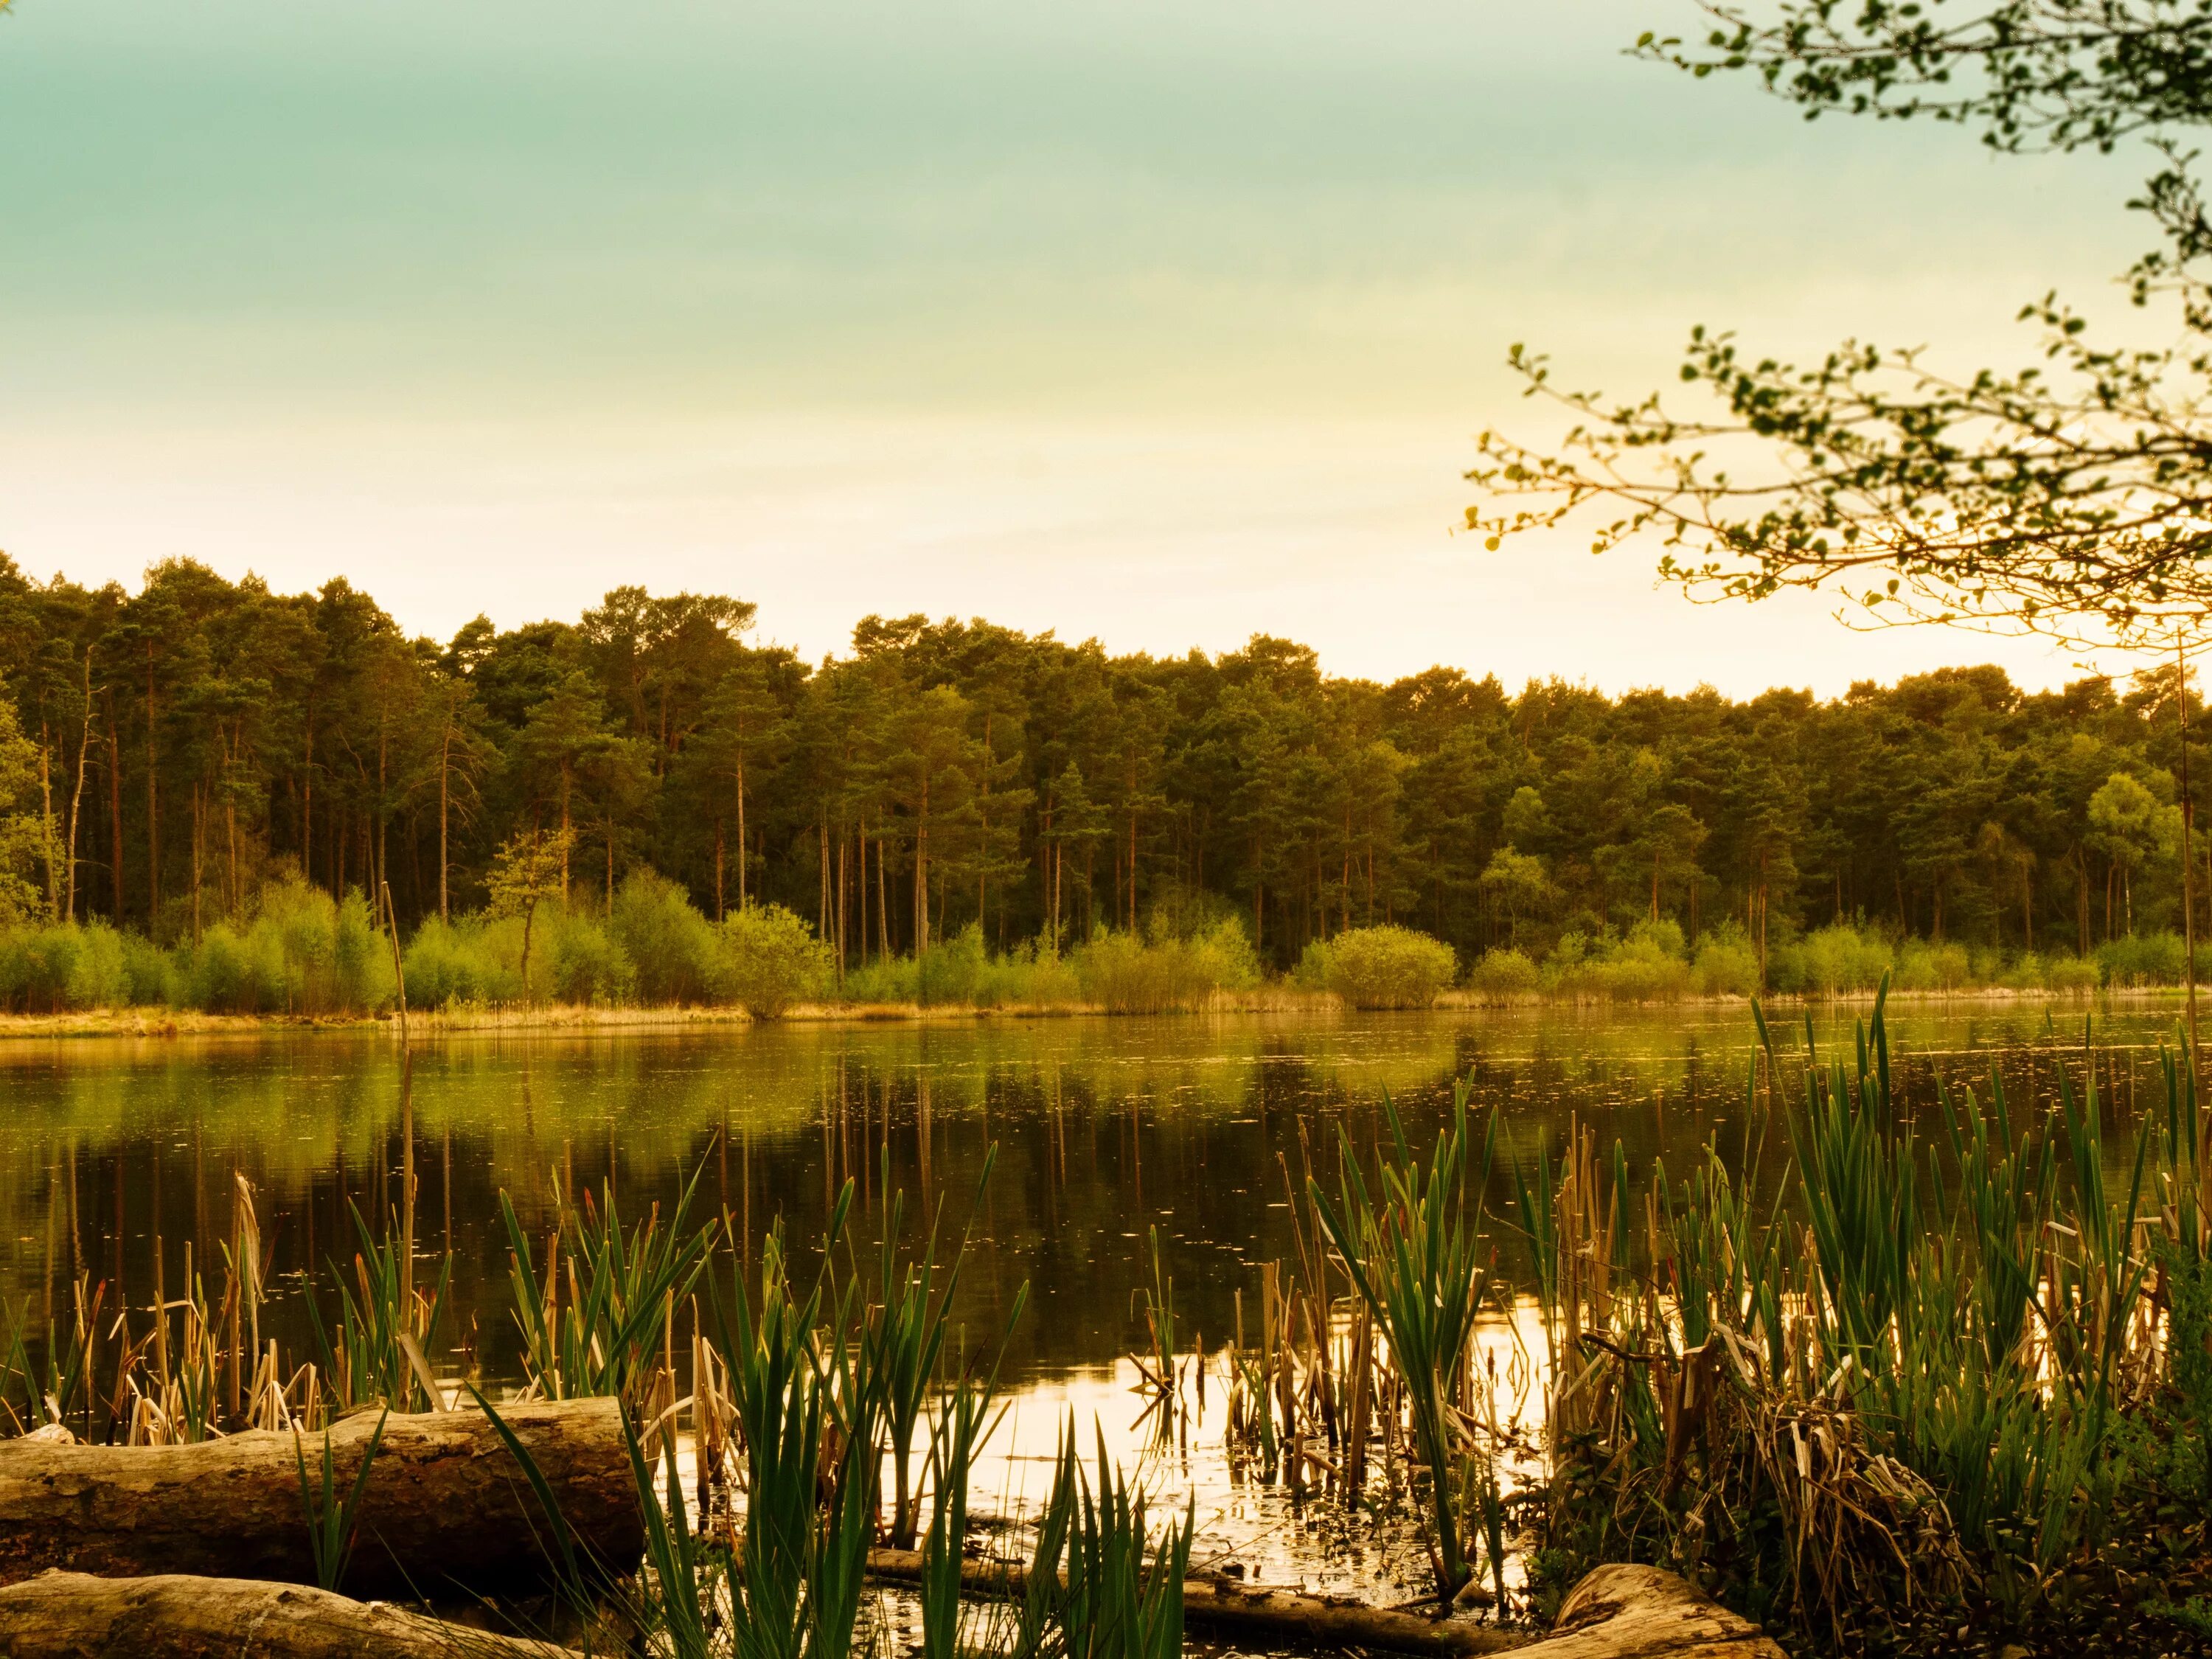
1386 967
952 970
304 953
149 977
1032 973
583 961
100 976
767 958
2071 974
1222 956
1650 965
1923 965
1727 964
960 971
2140 959
1501 975
1833 961
668 944
885 979
474 962
1125 974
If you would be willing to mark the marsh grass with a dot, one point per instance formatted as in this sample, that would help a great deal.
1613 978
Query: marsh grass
900 1346
332 1509
366 1357
1415 1260
593 1320
1910 1374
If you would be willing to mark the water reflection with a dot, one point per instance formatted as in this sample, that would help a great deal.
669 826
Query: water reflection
111 1149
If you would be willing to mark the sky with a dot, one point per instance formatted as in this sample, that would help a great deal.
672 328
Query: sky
1166 325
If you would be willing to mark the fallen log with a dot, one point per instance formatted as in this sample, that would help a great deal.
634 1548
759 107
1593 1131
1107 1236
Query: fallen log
1626 1611
1222 1605
1614 1613
74 1615
447 1507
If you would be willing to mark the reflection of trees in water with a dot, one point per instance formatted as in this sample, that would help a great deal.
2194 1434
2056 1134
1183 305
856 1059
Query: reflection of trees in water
1103 1127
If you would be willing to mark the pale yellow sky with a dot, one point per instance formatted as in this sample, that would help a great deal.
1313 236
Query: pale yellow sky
1166 326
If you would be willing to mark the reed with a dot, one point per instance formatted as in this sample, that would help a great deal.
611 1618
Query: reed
333 1510
901 1343
1112 1588
1159 1367
594 1321
955 1623
1907 1373
1414 1259
385 1328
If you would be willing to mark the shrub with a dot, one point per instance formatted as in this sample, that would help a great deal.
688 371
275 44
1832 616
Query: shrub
100 976
1837 960
1727 964
1650 965
1926 966
148 975
1386 967
220 976
303 953
767 958
1033 973
476 960
2071 974
586 965
1222 956
1501 975
2143 959
58 965
1127 975
668 944
952 970
886 979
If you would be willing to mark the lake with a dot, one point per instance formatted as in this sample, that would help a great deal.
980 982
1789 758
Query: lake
1104 1130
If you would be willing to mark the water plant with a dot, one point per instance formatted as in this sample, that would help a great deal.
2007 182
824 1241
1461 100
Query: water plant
1414 1257
386 1327
901 1341
592 1323
333 1513
1106 1586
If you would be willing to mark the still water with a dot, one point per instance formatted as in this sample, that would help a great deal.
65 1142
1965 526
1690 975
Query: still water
1104 1129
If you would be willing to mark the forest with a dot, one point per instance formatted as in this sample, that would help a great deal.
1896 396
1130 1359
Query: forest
177 752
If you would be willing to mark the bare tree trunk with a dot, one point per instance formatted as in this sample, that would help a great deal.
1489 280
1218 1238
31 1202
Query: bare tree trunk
153 813
47 834
115 809
199 843
445 854
77 794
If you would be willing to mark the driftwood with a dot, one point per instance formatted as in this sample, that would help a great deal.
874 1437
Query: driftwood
1614 1613
447 1508
74 1615
1222 1605
1646 1613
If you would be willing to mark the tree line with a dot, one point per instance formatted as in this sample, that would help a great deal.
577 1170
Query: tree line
176 749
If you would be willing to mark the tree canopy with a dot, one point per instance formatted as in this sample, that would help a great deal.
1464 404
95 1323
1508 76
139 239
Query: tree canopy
185 748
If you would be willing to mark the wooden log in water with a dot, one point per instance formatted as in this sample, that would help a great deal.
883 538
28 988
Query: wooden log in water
447 1508
1614 1613
1647 1612
74 1615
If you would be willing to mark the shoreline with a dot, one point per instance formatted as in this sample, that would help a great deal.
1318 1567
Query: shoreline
163 1023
